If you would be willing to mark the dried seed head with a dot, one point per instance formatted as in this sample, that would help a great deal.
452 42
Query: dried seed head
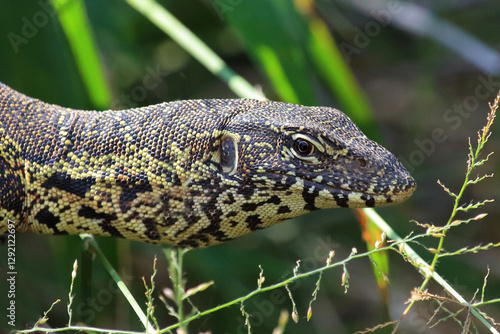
480 216
169 293
295 316
75 267
330 257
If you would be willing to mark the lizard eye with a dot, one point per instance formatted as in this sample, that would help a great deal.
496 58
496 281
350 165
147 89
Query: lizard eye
306 148
303 147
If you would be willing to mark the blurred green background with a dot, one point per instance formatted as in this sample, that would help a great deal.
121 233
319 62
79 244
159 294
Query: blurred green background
415 77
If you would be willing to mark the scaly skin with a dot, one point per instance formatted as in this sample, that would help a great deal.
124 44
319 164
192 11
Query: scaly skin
187 173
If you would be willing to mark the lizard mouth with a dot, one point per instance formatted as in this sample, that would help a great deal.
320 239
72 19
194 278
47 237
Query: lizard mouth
326 192
322 194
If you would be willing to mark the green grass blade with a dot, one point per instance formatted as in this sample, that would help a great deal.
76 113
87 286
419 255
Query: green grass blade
374 239
169 24
338 77
74 21
275 44
424 266
277 74
89 241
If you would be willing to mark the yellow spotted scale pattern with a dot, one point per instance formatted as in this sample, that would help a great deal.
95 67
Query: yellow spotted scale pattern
189 173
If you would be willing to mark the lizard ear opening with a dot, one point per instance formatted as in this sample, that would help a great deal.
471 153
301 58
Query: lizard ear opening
228 154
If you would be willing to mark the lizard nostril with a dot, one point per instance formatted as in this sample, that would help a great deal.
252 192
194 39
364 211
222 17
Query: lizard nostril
361 162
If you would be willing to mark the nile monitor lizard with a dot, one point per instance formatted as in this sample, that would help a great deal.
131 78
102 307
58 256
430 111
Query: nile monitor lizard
188 173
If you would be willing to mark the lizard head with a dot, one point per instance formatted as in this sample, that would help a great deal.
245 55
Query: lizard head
287 159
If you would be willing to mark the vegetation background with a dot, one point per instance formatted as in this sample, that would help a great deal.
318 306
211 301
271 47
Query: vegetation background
425 72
